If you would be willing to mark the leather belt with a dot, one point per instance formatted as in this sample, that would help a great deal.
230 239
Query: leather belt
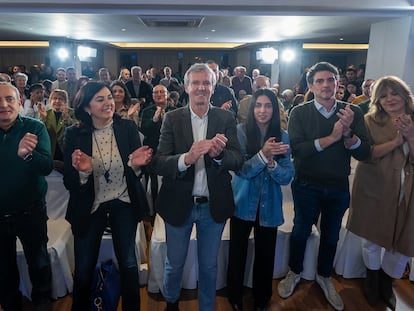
200 199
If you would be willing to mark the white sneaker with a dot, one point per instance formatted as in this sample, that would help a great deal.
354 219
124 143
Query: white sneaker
286 287
330 292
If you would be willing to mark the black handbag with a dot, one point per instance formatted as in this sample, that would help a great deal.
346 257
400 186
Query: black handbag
106 287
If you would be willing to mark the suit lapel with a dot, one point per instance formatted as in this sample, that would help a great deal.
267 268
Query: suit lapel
187 128
211 126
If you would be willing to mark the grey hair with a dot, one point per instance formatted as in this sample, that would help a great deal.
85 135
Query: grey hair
200 67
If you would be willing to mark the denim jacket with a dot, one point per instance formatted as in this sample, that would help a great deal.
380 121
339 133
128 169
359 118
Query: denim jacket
254 183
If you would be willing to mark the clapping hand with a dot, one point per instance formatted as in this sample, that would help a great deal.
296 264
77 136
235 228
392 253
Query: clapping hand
134 109
227 105
198 149
346 117
218 143
141 156
404 125
26 145
272 147
81 161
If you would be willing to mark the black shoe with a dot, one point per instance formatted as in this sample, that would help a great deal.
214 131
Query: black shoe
386 292
371 287
172 306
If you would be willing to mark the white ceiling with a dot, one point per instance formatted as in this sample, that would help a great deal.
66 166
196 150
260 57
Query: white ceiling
238 21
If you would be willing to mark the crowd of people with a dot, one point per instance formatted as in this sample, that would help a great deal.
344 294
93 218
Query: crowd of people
223 146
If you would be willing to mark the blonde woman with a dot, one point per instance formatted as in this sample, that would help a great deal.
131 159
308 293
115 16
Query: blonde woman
383 188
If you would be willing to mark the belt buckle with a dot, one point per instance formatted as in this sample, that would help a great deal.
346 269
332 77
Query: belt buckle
198 199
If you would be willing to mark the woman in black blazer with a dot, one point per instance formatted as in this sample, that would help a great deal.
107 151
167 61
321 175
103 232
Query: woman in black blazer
103 158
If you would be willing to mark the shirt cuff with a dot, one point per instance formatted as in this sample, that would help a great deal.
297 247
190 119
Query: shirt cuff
318 145
262 157
356 145
84 176
181 164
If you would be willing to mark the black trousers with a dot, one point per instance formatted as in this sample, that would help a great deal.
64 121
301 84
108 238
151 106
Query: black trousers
264 252
31 228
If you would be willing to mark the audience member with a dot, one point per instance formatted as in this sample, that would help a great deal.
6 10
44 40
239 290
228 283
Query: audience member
324 134
152 119
71 84
104 76
353 91
287 99
60 82
175 97
4 77
197 148
223 97
47 86
124 75
57 119
240 81
366 91
258 197
36 102
139 89
262 82
26 159
20 81
340 92
350 73
391 132
123 106
103 157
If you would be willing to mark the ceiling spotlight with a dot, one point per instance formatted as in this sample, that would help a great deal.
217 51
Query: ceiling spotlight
341 39
62 53
269 55
288 55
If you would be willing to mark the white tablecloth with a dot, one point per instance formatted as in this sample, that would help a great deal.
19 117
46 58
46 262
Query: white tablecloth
60 249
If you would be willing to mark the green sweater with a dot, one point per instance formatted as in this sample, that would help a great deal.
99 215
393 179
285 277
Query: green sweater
23 182
331 166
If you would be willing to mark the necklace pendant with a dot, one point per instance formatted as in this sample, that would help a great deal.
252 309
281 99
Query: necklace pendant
106 176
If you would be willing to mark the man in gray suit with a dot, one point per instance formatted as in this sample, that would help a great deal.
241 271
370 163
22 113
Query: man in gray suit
197 148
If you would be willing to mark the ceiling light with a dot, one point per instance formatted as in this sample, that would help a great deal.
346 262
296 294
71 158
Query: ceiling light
62 53
333 46
269 55
288 55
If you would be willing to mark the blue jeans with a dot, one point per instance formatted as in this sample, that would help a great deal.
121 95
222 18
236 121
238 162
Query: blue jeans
31 228
310 201
123 220
208 242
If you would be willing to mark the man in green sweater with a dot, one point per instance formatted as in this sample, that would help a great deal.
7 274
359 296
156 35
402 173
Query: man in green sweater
324 133
25 158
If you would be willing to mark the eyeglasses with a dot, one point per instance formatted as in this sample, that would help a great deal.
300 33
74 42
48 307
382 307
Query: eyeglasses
159 92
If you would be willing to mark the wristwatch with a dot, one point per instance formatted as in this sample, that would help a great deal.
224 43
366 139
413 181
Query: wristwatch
28 157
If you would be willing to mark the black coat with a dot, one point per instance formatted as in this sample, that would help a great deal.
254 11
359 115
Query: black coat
82 196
